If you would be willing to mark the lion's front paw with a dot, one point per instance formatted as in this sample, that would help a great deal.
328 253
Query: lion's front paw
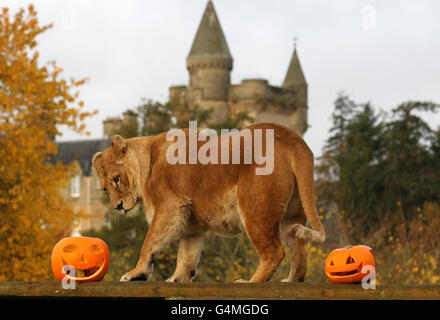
175 278
181 277
242 281
295 279
135 275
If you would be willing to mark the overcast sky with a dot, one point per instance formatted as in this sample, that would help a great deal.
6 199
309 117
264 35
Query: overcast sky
382 51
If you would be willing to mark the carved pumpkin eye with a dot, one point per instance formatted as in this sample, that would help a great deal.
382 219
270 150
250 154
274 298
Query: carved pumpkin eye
349 260
70 248
96 249
331 263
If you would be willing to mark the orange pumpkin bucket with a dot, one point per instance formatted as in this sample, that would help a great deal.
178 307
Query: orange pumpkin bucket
90 258
345 265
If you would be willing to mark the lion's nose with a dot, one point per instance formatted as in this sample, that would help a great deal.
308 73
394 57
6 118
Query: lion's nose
119 207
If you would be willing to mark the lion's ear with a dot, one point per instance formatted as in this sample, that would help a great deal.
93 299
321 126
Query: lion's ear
98 167
96 156
119 148
119 145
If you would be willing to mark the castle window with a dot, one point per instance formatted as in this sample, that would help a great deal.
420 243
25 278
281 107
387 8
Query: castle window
75 187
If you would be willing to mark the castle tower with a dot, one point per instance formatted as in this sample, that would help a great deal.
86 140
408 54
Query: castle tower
210 63
296 82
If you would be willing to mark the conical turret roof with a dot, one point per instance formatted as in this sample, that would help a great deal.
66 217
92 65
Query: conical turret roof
210 40
295 75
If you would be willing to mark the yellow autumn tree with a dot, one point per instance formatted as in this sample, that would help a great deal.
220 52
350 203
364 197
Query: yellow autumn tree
34 101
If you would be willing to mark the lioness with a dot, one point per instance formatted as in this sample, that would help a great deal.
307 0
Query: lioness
187 200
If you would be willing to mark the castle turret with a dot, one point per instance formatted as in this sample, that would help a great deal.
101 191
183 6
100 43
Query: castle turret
209 61
296 82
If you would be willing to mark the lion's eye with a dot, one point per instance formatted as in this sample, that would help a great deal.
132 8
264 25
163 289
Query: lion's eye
116 180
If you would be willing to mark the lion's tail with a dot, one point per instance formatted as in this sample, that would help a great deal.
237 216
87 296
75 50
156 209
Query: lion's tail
302 161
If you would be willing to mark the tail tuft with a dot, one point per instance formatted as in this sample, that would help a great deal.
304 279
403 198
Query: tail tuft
302 232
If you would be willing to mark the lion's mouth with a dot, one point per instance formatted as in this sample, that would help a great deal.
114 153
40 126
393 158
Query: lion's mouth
81 274
138 199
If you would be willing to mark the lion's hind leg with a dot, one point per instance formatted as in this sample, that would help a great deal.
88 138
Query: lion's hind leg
262 225
266 241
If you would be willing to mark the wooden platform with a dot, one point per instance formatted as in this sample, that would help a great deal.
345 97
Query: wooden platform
271 290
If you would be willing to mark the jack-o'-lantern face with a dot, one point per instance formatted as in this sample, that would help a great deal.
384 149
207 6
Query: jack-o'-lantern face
89 257
345 265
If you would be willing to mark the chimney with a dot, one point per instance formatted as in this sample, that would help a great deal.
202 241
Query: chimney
129 118
111 125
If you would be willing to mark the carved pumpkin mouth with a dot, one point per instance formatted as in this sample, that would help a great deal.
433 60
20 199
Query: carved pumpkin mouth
84 274
347 273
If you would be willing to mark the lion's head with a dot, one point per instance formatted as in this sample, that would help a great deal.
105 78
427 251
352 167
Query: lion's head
119 173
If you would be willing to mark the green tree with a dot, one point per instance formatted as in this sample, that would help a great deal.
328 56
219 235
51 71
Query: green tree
374 166
157 117
361 175
233 121
411 165
351 177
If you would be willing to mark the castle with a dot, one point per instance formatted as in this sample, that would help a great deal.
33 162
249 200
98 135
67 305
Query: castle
209 64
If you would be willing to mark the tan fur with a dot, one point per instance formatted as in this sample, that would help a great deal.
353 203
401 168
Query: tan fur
186 200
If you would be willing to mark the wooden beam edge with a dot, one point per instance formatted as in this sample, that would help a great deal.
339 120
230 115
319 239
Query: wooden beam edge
270 290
